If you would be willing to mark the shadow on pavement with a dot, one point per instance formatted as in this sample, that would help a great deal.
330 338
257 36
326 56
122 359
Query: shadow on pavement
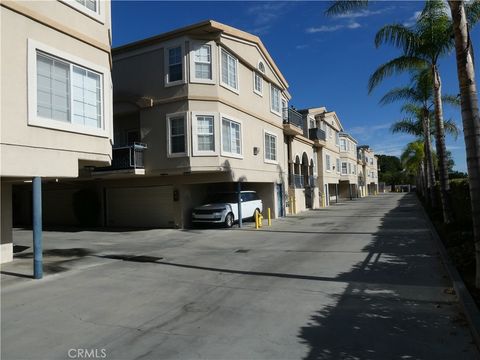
378 318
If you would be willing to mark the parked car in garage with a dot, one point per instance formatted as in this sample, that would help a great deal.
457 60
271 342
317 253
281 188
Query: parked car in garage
223 208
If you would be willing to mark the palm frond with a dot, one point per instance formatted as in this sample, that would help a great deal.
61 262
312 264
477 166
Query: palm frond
397 35
453 100
451 128
472 10
400 93
395 66
345 6
407 126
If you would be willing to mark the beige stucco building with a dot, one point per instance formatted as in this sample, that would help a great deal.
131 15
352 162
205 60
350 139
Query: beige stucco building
196 111
56 94
348 182
367 171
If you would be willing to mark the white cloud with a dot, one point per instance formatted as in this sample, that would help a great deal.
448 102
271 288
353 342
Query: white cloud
265 14
324 28
413 19
361 14
354 25
301 46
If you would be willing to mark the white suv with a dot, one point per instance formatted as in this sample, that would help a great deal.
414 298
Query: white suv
223 208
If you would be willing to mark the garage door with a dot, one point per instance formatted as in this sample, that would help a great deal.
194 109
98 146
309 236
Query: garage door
150 206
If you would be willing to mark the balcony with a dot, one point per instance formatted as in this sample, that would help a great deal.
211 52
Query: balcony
297 181
312 181
318 136
128 158
292 122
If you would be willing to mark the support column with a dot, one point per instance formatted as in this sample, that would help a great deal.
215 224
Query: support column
350 191
37 228
239 199
336 193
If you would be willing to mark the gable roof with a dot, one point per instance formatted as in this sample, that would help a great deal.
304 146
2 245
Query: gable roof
207 27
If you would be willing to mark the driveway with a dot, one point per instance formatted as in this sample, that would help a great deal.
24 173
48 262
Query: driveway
359 280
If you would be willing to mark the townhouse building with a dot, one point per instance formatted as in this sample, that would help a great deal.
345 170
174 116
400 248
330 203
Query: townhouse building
197 110
367 171
348 182
56 102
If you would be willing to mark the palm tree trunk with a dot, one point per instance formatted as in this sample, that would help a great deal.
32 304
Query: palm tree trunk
441 148
470 117
430 171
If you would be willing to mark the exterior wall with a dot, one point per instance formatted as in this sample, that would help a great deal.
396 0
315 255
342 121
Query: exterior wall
46 150
6 246
348 156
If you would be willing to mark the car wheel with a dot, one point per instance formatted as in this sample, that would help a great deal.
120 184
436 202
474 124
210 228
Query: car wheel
229 220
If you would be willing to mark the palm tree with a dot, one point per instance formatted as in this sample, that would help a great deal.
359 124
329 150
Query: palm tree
413 159
422 47
462 16
418 106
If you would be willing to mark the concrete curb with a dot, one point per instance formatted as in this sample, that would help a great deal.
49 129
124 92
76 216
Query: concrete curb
465 299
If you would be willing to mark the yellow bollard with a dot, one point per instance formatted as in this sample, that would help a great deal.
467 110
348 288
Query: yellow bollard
256 219
294 205
324 202
269 217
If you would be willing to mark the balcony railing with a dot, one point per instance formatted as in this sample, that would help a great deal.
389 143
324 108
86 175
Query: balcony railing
312 181
291 116
297 181
126 157
316 134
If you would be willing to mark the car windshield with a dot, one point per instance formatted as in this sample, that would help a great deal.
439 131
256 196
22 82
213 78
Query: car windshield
223 198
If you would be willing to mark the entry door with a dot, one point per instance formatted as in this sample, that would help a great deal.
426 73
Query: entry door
280 200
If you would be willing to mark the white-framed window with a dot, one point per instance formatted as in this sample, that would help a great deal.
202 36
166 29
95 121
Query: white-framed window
344 168
311 123
231 137
229 69
349 168
327 162
92 8
343 145
205 138
261 67
257 83
177 134
66 92
174 65
284 110
270 146
354 169
337 167
275 100
202 62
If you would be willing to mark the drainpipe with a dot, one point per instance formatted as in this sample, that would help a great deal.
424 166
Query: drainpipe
239 200
37 228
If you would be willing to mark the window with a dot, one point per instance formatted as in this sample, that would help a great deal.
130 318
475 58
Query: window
176 135
68 93
205 133
175 65
270 147
229 70
203 62
257 83
275 99
327 162
338 166
231 137
284 110
344 168
89 4
261 67
343 145
349 168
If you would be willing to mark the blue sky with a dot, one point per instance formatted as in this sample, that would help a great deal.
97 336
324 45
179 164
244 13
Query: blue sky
327 61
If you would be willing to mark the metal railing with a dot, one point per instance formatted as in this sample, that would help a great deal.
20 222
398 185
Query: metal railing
297 181
312 181
316 134
291 116
127 157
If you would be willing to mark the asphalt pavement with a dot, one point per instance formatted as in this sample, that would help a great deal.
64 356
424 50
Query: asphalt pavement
361 279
